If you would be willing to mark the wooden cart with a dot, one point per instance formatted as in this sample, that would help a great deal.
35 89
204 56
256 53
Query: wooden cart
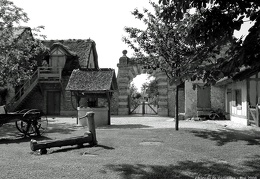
28 121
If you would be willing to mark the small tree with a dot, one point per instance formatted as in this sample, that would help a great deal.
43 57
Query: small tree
162 45
134 95
18 47
152 89
167 44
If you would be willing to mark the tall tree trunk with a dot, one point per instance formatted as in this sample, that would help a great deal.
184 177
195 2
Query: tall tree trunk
177 107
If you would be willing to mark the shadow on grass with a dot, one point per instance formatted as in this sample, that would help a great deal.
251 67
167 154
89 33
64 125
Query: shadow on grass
125 126
189 169
223 137
65 149
61 128
253 166
186 169
8 130
20 139
10 134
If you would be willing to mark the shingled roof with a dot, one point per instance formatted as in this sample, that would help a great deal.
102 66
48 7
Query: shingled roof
86 80
80 47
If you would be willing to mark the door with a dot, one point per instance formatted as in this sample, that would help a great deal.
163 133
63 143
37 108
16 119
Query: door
203 97
53 102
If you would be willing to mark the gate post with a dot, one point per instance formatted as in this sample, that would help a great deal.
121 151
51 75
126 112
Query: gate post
143 108
123 84
91 126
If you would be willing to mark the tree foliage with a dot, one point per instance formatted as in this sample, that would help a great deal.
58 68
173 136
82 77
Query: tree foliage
134 92
18 47
218 19
193 39
150 88
165 45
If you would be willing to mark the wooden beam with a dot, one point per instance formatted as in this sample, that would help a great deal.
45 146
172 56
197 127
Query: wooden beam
257 122
92 91
44 145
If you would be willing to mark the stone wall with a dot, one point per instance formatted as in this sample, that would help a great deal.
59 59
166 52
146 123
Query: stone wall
217 99
129 69
68 101
37 99
190 100
114 104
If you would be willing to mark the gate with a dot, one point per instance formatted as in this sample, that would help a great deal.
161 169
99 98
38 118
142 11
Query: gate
143 108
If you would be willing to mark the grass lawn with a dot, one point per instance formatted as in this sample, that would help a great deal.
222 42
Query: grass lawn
135 151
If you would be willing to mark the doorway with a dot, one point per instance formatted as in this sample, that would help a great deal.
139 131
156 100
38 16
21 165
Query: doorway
53 102
203 97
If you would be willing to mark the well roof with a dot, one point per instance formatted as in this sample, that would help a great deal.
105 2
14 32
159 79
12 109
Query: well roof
86 80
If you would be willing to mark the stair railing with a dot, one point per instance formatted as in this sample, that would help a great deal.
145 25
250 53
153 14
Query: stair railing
23 91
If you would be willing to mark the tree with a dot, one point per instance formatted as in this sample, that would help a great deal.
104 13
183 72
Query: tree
162 45
152 89
133 91
218 19
18 48
190 46
134 96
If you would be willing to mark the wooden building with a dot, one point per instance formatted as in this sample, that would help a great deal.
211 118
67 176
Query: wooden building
242 96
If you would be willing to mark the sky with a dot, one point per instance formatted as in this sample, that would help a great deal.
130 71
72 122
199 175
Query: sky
100 20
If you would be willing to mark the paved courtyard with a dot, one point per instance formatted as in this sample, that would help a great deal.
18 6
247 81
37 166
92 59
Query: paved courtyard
136 147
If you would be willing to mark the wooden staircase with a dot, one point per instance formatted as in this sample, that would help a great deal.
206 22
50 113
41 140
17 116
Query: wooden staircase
41 75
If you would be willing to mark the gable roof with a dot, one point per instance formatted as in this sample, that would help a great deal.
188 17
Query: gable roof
65 48
82 48
244 73
86 80
18 31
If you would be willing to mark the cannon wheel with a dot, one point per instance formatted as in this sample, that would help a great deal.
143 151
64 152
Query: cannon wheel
32 126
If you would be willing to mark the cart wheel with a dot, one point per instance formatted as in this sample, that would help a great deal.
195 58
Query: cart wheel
213 116
23 127
41 125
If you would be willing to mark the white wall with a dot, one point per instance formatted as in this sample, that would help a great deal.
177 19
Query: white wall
239 114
